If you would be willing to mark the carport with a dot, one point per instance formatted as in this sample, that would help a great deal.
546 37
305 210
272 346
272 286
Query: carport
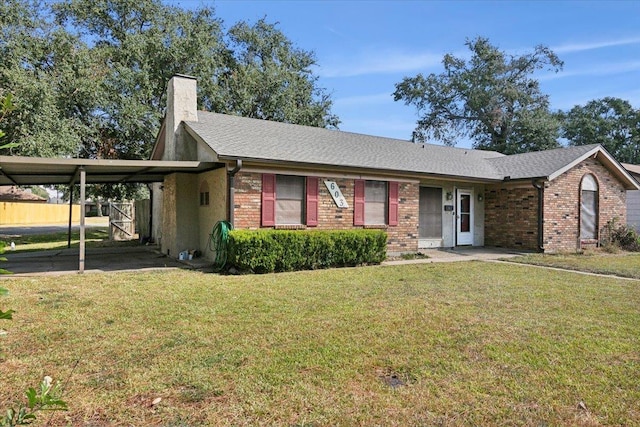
16 170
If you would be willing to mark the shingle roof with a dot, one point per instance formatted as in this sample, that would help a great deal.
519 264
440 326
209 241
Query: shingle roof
240 137
234 137
539 164
634 169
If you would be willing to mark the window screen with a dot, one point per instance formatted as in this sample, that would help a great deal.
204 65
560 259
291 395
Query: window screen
588 215
375 202
289 200
430 213
589 208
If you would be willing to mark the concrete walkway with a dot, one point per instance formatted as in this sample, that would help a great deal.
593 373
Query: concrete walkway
458 254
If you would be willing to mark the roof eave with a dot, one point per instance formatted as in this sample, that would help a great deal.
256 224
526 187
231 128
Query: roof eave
357 169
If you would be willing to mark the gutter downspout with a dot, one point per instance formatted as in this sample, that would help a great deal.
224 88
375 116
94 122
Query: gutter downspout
231 188
540 188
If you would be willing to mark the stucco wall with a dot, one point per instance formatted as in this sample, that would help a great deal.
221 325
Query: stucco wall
156 211
208 216
562 205
180 228
401 238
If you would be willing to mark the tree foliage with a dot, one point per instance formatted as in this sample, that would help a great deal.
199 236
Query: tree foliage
492 98
611 122
269 78
49 72
90 76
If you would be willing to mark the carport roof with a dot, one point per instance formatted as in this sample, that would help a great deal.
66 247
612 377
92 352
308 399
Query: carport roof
16 170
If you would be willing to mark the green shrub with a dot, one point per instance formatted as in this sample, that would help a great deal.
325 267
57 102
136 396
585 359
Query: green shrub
626 237
265 251
621 236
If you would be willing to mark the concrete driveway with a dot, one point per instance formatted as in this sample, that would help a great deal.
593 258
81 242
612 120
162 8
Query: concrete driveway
97 260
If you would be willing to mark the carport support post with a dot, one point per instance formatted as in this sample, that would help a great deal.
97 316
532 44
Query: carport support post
83 182
70 214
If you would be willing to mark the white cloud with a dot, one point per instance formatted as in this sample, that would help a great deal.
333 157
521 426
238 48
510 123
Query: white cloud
378 62
595 70
580 47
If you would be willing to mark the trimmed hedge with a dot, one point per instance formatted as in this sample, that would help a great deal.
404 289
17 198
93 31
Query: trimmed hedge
266 251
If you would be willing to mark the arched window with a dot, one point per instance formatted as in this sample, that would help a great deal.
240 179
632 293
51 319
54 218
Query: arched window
589 207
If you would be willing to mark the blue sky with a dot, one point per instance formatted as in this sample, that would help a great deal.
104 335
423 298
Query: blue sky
364 47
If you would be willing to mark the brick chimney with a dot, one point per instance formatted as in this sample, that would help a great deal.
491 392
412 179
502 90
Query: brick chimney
182 105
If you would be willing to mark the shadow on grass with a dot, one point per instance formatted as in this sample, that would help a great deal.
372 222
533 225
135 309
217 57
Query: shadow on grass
95 237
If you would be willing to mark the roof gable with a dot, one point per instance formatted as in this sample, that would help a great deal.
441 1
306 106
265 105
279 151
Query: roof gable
541 164
550 164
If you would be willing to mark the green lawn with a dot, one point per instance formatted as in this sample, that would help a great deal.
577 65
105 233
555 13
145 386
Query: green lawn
623 264
95 237
426 344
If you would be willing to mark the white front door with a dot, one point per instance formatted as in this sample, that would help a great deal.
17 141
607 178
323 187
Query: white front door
464 218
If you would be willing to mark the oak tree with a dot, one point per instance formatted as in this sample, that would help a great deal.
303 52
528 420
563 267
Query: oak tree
611 122
491 98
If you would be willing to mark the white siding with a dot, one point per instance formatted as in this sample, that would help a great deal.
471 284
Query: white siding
633 209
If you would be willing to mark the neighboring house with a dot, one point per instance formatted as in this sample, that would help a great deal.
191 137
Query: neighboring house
15 194
633 198
267 175
18 206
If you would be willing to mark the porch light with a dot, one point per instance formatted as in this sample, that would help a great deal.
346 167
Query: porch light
449 195
480 197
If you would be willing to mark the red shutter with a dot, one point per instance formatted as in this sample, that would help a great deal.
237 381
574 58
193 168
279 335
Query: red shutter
268 200
358 202
312 201
393 203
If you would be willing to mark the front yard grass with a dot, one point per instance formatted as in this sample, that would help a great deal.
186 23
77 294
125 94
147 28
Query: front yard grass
95 237
621 264
426 344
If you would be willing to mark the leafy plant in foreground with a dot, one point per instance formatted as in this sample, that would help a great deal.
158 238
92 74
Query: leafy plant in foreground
45 399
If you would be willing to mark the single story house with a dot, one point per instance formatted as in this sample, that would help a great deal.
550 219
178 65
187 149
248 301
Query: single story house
267 175
633 199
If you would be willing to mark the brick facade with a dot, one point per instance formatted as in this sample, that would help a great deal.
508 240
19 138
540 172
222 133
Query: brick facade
511 217
401 238
562 205
511 211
